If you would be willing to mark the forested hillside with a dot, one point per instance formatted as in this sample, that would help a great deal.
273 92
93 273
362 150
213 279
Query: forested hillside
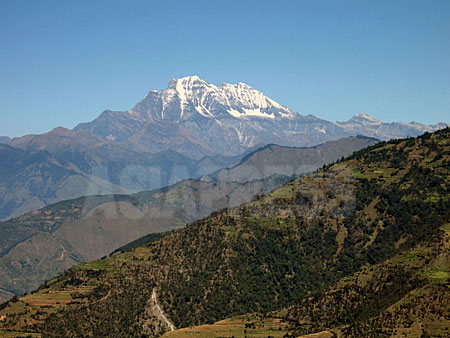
280 250
41 244
405 296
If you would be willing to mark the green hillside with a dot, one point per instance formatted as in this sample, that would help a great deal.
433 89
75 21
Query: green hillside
280 250
41 244
405 296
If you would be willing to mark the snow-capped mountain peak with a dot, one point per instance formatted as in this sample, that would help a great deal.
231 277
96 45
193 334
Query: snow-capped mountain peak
197 118
190 97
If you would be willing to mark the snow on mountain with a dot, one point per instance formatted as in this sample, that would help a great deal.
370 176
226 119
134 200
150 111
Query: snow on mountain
197 118
184 98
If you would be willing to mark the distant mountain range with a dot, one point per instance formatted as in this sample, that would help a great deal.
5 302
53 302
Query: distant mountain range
40 244
197 118
38 170
32 179
188 130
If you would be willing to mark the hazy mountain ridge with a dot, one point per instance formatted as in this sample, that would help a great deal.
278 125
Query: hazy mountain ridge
80 163
103 158
31 179
4 139
368 125
290 161
262 255
165 137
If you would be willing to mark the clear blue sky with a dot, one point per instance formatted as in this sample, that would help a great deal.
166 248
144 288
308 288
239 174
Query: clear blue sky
64 62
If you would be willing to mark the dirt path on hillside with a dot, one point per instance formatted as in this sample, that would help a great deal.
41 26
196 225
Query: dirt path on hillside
159 312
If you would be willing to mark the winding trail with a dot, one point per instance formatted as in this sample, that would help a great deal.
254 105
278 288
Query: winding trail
159 311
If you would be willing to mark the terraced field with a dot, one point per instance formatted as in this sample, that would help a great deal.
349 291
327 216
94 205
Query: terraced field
249 325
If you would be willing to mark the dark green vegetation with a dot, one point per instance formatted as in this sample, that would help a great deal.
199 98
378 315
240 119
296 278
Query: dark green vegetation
385 205
405 296
39 245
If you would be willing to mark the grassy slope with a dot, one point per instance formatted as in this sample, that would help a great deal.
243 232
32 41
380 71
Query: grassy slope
263 255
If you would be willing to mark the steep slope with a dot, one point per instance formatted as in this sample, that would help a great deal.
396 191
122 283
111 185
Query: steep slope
41 244
72 242
197 118
260 256
289 161
406 296
31 179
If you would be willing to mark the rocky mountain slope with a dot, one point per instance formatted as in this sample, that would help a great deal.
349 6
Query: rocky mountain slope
197 118
260 256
